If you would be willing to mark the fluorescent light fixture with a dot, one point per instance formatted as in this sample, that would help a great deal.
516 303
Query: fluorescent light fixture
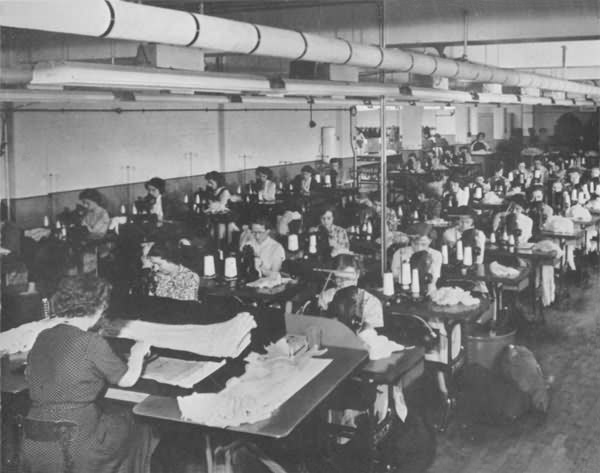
437 95
53 96
532 100
374 107
584 102
74 74
181 99
314 88
484 97
431 107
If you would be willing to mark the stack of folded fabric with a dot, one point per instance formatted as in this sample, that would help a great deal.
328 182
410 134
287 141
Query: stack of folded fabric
503 271
449 296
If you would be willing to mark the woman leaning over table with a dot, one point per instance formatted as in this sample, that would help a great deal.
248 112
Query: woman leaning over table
69 427
267 189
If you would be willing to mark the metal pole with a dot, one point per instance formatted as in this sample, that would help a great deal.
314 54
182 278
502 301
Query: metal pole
383 185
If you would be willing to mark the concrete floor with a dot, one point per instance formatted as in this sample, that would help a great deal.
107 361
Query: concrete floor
568 438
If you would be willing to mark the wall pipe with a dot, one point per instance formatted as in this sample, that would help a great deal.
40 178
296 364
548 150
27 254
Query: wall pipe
137 22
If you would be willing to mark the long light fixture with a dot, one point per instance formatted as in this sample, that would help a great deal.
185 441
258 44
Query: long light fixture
584 102
532 100
436 95
53 96
181 99
484 97
74 74
314 88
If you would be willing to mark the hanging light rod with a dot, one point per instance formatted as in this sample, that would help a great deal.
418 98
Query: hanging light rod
436 95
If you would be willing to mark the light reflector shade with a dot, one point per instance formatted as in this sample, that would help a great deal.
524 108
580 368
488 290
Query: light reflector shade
73 74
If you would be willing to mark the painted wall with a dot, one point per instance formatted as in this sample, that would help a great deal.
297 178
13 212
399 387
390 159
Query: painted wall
59 151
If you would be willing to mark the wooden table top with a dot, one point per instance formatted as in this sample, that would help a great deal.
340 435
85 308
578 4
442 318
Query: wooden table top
290 414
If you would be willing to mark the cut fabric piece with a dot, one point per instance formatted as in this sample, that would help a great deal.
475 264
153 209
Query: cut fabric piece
176 372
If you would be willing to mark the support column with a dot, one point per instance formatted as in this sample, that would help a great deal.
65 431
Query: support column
499 127
473 121
461 116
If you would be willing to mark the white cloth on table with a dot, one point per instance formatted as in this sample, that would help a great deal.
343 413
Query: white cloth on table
254 396
222 340
372 308
379 346
177 372
503 271
547 274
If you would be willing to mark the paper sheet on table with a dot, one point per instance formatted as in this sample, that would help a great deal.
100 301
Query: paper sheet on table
254 396
269 282
176 372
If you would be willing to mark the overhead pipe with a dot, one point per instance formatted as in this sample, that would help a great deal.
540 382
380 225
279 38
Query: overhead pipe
137 22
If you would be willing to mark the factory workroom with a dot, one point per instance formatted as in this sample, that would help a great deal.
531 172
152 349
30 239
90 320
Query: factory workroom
312 237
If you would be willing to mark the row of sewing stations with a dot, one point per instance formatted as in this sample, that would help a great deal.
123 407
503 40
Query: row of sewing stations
270 332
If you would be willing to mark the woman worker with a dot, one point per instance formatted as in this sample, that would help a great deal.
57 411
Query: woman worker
346 273
96 218
337 236
217 191
269 254
171 278
164 207
68 429
267 189
305 183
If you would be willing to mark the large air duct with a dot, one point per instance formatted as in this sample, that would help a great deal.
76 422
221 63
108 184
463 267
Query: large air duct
130 21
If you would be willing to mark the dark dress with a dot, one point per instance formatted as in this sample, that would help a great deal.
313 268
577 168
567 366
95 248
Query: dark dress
68 370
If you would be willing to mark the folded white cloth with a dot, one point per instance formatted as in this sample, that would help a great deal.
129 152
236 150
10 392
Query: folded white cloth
491 198
222 340
379 346
558 224
503 271
176 372
579 212
269 281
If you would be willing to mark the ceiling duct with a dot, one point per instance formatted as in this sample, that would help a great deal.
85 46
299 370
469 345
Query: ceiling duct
132 21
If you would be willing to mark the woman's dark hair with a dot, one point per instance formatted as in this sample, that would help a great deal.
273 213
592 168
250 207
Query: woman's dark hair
167 251
78 296
344 261
336 160
157 182
265 170
327 208
307 168
91 194
346 307
217 177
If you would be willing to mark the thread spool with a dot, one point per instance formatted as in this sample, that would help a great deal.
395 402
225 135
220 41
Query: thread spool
459 250
328 180
46 221
312 244
468 256
123 210
293 242
405 275
230 267
415 287
209 266
388 284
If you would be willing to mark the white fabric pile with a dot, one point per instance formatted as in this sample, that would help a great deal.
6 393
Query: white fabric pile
37 233
503 271
254 396
449 296
579 213
223 340
269 282
491 198
20 339
379 346
558 224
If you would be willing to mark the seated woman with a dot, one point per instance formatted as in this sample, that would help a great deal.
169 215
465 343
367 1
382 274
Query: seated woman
305 183
171 279
339 174
514 219
267 189
346 273
419 243
96 218
466 224
269 254
455 196
479 145
67 427
218 194
163 206
337 236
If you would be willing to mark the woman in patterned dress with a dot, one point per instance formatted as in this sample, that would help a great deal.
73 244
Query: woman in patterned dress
172 279
69 428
